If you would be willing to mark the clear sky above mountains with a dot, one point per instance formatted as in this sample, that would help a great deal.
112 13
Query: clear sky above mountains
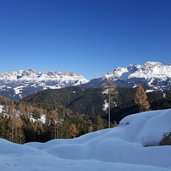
89 37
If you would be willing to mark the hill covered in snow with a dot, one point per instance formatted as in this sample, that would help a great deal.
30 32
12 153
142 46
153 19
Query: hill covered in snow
132 146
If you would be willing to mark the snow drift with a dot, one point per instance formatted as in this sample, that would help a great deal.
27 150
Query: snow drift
132 146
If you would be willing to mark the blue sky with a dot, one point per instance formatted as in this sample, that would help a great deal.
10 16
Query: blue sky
90 37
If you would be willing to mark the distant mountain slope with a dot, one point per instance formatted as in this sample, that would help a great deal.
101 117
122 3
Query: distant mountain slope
80 100
90 101
152 75
16 85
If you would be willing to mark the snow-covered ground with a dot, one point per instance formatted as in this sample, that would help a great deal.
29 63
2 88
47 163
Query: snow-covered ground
132 146
1 108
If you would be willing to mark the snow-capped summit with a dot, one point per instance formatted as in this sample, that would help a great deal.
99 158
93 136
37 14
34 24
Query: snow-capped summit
151 74
152 64
20 83
147 71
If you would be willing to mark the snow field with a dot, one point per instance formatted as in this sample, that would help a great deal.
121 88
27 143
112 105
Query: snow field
122 148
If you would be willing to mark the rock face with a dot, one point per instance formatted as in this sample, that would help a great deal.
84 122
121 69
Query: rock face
166 140
152 75
16 85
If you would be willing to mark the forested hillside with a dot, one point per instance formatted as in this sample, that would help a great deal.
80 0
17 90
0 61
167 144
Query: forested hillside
91 101
21 122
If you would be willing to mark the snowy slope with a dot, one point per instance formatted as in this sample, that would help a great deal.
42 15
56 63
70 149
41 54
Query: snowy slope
122 149
21 83
152 75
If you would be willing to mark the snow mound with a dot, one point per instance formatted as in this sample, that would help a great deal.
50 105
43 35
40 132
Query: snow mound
123 148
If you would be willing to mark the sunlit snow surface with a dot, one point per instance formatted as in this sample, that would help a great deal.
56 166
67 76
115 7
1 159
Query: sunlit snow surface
1 108
120 149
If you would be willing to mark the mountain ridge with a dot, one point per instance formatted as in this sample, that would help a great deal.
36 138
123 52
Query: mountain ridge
18 84
151 75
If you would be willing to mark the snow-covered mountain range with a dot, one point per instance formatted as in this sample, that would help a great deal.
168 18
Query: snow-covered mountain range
21 83
152 75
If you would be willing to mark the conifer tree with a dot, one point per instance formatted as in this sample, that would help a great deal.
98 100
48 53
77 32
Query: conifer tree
73 130
99 123
141 99
54 119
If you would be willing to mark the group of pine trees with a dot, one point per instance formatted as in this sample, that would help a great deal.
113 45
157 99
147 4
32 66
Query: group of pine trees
20 122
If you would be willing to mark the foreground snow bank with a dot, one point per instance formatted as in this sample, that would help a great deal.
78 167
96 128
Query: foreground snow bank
120 149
